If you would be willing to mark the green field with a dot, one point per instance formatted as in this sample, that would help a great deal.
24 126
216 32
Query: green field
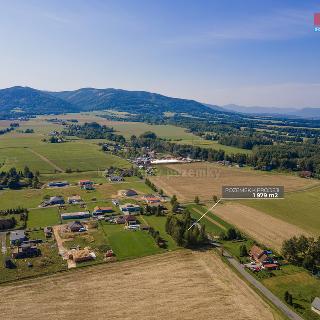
129 244
303 287
299 208
31 198
198 142
40 218
158 223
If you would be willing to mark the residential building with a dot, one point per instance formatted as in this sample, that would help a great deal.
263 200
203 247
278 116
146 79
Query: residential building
76 215
75 226
130 208
75 199
17 237
102 210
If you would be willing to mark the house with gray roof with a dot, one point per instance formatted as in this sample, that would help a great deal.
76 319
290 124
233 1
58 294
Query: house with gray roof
17 237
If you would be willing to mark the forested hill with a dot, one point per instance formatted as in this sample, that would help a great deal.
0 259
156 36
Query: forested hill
130 101
25 100
22 101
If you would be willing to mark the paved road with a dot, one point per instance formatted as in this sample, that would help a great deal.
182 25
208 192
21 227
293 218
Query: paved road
267 293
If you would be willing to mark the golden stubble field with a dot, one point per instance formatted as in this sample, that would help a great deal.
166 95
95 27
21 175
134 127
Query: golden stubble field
205 179
264 228
176 285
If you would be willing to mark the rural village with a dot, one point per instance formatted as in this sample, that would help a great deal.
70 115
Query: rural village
142 203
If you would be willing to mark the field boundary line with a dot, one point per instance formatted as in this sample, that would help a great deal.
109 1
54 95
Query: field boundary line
210 219
204 214
46 160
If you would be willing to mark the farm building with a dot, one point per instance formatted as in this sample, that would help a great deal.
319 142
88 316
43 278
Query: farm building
258 255
116 179
151 199
74 199
130 208
75 215
130 220
17 237
75 226
85 182
26 250
129 193
58 184
315 306
101 210
271 266
53 201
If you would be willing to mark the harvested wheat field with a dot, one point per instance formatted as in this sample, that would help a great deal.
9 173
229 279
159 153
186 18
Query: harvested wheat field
176 285
260 226
205 179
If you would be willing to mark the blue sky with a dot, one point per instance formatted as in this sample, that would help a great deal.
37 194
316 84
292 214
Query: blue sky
245 52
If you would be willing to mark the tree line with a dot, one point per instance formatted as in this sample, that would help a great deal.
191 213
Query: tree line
302 251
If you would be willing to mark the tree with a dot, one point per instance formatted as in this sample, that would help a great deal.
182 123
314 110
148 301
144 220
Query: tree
289 249
290 299
286 296
308 262
173 199
215 198
196 200
231 234
243 251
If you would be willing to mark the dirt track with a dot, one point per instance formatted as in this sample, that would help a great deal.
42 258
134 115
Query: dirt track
260 226
206 179
177 285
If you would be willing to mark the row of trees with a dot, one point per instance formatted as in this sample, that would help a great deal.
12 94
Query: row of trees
151 185
153 210
244 142
302 251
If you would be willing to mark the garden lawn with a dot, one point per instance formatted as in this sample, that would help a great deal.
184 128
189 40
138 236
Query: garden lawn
129 244
40 218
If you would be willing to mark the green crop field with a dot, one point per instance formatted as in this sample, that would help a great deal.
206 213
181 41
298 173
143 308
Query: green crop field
196 141
299 208
21 149
79 156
